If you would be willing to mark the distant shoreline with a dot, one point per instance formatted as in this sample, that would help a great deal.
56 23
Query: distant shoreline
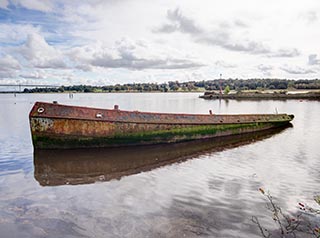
261 95
225 85
66 92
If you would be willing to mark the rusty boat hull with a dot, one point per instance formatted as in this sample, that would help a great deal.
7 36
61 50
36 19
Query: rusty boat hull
56 126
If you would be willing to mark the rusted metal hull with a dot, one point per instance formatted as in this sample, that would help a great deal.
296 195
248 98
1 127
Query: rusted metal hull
60 126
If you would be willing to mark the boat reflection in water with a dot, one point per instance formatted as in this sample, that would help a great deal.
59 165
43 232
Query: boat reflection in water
84 166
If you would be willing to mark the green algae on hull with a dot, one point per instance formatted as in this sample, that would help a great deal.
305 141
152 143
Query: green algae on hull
152 137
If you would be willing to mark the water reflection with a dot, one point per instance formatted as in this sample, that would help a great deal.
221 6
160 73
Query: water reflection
84 166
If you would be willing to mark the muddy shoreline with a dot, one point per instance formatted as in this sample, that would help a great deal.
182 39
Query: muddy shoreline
262 95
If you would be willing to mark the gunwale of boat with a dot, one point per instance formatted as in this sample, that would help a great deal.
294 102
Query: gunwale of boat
186 116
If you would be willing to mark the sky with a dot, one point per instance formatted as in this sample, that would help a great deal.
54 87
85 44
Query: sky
104 42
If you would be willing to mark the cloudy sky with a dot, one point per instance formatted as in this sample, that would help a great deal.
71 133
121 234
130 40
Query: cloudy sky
102 42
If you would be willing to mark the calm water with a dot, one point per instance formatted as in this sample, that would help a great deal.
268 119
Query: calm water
200 192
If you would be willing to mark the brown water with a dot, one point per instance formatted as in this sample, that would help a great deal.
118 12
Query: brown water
198 189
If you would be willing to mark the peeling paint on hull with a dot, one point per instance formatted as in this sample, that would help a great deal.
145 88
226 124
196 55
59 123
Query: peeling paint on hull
59 126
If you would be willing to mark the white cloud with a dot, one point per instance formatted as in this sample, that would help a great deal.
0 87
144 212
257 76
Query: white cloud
83 40
297 70
8 66
286 53
4 4
265 69
223 64
129 55
313 60
222 35
310 16
179 22
16 33
224 40
39 5
34 75
41 55
7 62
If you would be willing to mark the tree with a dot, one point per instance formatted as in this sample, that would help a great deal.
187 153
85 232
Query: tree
226 89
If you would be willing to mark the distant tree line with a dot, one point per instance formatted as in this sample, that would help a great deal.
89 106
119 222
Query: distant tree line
174 86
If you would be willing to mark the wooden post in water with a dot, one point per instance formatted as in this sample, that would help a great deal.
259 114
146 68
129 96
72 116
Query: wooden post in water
220 86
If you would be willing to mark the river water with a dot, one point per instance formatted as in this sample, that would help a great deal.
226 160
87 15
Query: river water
201 189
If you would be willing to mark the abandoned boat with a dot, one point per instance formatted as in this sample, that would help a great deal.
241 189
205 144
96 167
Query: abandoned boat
56 126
